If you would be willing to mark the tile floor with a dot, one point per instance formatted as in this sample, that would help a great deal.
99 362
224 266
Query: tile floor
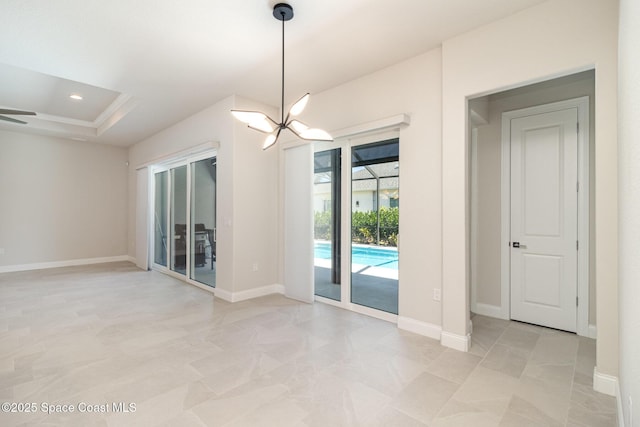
112 334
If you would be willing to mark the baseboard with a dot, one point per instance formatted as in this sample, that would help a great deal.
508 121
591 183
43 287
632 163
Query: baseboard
67 263
490 311
603 383
592 332
222 294
455 341
418 327
249 293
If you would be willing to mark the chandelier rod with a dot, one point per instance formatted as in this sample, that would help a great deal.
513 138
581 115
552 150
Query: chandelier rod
282 93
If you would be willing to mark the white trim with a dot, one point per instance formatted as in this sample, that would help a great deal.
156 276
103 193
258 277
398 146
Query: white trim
389 123
197 284
592 332
621 420
421 328
490 311
328 301
473 232
67 263
118 109
455 341
582 105
249 293
372 312
583 216
394 122
223 294
196 152
360 309
604 383
505 221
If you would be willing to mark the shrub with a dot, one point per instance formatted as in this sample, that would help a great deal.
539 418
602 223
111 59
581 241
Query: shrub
322 225
363 226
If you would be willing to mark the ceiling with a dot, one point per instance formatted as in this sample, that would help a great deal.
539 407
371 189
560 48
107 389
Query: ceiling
144 65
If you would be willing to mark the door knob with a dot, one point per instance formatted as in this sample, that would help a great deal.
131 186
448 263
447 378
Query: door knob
518 245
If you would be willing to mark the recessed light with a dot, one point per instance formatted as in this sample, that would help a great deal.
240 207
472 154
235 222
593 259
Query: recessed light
76 97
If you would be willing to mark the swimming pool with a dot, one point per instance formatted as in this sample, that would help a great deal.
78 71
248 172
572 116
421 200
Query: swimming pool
374 256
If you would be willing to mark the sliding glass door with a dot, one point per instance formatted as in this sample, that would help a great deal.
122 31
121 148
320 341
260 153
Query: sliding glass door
160 210
356 224
375 174
178 224
184 238
203 221
327 224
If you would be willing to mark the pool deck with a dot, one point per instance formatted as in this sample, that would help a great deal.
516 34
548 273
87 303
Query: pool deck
368 270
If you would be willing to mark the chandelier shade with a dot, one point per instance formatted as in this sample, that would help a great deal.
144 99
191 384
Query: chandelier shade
263 123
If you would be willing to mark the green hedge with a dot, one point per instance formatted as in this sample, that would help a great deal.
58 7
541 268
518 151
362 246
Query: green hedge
363 226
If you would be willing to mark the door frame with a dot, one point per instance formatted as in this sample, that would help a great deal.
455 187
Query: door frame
346 144
582 105
167 165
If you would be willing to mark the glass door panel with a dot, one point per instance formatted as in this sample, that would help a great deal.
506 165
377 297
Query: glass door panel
375 208
178 224
160 219
327 206
203 221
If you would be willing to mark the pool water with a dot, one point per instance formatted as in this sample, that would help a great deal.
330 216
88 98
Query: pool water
364 255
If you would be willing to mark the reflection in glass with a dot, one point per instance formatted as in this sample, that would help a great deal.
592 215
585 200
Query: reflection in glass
203 221
375 208
326 195
160 219
178 215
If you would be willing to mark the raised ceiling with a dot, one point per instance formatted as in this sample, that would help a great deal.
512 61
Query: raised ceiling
144 65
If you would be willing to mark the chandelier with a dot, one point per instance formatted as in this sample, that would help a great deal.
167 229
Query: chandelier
263 123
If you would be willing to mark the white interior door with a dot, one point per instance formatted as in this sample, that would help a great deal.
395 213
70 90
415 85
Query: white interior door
544 213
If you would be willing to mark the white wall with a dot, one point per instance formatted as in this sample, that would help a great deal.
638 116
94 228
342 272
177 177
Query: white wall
61 200
629 198
246 192
554 38
411 87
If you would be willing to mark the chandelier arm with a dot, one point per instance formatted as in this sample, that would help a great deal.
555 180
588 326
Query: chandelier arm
272 121
278 135
258 129
294 132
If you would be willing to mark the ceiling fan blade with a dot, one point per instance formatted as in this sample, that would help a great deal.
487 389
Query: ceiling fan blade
16 112
9 119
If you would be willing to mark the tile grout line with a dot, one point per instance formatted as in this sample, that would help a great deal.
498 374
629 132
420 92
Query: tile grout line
470 373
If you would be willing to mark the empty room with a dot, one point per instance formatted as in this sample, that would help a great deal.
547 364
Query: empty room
268 213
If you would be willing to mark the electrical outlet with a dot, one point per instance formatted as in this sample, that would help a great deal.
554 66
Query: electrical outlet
436 294
255 266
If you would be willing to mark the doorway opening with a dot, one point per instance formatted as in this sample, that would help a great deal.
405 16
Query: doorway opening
504 278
